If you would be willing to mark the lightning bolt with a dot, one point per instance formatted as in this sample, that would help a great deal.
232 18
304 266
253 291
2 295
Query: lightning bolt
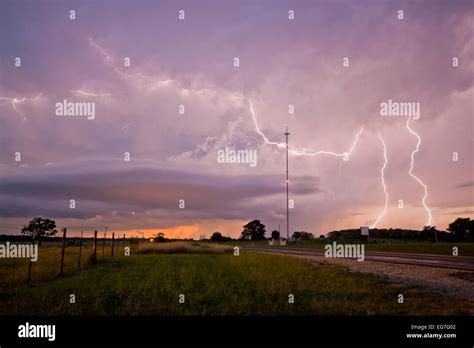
156 83
382 175
127 125
151 82
345 154
108 59
15 101
104 54
412 164
92 94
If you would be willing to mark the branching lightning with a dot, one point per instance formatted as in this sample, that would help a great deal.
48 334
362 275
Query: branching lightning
412 164
151 82
345 154
16 101
382 175
154 83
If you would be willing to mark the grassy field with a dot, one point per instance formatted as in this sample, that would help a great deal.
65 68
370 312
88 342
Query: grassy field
464 249
213 284
183 248
14 272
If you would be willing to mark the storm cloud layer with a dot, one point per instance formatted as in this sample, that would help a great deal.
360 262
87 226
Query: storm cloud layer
182 99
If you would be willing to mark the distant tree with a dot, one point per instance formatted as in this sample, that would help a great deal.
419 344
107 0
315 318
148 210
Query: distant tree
302 235
275 235
462 229
322 236
217 237
160 237
254 230
393 233
430 233
40 227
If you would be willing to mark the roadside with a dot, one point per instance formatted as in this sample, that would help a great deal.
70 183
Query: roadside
464 249
453 283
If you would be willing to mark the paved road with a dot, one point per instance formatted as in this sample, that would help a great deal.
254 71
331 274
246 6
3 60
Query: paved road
426 260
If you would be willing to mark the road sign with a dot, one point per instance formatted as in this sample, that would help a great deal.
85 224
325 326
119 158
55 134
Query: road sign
364 231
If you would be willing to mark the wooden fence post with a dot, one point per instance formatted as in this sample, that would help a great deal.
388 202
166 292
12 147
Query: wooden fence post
112 252
103 243
61 270
30 265
94 250
80 251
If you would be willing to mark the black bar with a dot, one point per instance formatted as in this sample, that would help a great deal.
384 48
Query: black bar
240 330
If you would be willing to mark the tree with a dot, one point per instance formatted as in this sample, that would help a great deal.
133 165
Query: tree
462 229
302 235
275 235
430 233
254 230
217 237
160 237
40 227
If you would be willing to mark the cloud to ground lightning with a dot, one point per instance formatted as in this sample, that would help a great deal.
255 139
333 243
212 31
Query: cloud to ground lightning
345 155
412 165
382 176
150 83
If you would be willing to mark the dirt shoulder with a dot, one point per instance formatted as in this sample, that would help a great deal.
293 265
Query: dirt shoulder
450 282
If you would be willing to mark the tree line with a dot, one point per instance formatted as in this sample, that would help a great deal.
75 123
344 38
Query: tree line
460 230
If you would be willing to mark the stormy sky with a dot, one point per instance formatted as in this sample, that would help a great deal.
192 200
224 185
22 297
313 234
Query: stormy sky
190 63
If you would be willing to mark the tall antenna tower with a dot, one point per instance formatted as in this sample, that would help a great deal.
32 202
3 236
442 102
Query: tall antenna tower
287 183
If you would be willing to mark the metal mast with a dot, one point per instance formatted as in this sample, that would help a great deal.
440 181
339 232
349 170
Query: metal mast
287 182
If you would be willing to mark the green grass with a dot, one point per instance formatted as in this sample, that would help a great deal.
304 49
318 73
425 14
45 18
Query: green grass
15 271
464 249
218 284
183 248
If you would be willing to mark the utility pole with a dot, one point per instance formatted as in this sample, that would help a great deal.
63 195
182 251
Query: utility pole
287 198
